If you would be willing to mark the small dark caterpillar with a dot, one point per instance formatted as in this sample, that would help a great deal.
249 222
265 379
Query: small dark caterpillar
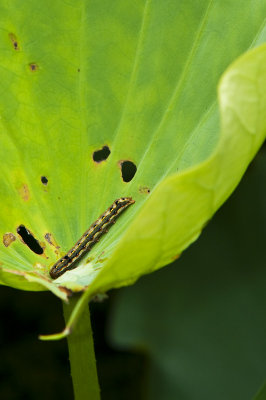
90 237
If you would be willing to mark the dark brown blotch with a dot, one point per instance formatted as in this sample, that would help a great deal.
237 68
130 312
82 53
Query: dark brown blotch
14 41
33 67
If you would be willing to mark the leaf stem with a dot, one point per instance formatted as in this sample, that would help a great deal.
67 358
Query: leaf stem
81 355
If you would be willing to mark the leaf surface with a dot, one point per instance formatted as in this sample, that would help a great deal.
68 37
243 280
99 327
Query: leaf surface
140 78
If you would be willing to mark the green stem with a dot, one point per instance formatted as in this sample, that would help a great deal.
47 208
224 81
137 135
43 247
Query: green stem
81 355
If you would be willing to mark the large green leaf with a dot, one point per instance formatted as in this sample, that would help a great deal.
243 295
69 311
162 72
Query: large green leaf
139 77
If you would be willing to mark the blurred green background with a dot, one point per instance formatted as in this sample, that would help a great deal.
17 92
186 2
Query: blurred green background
191 331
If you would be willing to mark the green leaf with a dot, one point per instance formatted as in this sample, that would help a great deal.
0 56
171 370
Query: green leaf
139 77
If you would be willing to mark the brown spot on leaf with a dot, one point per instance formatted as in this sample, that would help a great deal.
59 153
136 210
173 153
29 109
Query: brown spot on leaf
14 41
33 67
144 189
50 239
8 238
24 192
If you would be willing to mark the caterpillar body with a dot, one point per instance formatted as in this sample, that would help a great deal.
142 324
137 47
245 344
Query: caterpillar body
90 237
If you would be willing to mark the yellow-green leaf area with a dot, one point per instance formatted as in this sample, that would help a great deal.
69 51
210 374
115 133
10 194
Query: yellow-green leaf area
138 78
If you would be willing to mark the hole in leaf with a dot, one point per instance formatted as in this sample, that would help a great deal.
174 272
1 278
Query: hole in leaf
29 239
102 154
44 180
128 170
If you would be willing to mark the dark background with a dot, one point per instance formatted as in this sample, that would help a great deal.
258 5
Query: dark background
195 330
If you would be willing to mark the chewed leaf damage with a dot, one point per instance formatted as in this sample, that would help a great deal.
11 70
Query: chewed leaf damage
28 238
102 154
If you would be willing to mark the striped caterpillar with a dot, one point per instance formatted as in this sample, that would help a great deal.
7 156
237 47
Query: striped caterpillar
90 237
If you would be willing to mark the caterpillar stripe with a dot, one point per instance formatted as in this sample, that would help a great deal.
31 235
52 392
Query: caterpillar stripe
90 237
